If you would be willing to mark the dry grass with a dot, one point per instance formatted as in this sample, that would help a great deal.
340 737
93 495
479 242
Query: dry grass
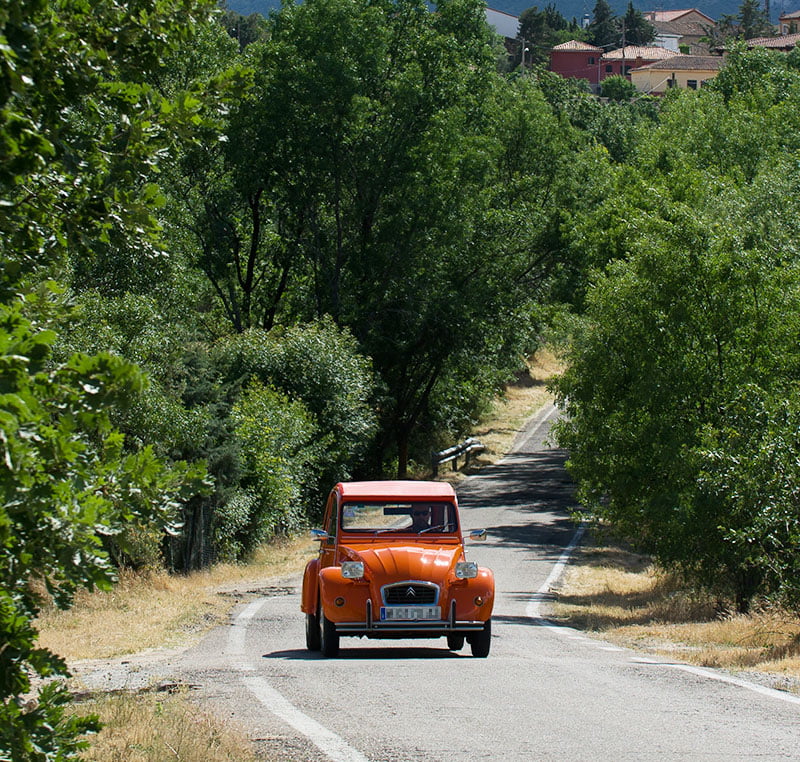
158 727
168 610
499 428
623 598
527 394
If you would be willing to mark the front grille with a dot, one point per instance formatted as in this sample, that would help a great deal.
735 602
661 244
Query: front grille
410 593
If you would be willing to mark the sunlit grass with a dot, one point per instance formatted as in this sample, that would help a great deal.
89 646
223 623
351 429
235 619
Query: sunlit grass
157 609
622 597
154 727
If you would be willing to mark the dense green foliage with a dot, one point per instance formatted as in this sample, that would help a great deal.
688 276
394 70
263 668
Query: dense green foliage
79 132
617 88
682 390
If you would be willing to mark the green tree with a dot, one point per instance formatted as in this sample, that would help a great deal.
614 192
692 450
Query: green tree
244 29
541 30
80 132
681 392
617 88
636 29
386 190
753 20
318 365
281 450
603 30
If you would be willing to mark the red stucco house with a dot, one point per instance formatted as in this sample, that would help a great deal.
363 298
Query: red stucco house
577 60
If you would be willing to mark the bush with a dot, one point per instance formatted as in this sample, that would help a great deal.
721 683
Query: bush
281 451
617 88
318 365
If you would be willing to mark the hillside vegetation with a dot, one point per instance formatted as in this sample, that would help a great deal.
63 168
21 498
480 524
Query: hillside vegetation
235 271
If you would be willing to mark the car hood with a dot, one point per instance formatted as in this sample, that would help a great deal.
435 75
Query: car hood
409 562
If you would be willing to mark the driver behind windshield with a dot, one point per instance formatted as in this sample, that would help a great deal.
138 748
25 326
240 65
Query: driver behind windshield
420 518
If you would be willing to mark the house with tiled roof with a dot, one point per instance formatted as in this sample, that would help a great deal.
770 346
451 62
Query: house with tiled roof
783 42
687 72
689 26
577 60
622 60
580 60
789 23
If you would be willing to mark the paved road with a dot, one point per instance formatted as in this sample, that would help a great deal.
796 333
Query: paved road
545 692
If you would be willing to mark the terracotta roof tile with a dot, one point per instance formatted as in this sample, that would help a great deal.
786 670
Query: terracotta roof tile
687 63
782 41
666 16
577 45
632 52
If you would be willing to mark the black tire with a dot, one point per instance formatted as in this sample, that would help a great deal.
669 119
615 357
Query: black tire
329 642
481 642
313 635
455 641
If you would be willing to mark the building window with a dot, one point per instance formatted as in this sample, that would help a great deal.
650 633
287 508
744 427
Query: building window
609 69
691 84
591 60
671 82
627 70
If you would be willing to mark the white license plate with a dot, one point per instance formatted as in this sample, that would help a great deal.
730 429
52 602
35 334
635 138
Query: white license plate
410 613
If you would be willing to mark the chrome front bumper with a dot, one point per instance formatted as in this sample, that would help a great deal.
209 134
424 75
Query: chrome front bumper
433 627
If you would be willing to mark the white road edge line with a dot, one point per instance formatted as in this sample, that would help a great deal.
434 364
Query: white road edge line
712 675
548 414
325 740
532 611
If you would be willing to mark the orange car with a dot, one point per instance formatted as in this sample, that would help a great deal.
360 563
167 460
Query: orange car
391 565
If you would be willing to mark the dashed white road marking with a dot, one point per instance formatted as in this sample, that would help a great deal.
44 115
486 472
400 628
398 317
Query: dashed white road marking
325 740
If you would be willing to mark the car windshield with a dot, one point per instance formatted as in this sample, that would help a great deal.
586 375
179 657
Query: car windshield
421 517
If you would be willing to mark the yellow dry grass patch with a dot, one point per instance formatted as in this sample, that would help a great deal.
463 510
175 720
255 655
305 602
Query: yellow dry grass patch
622 597
157 727
156 609
527 394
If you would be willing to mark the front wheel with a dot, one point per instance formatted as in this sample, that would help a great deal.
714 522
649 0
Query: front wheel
313 635
481 642
455 641
329 642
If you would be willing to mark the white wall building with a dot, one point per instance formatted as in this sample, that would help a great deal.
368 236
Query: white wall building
504 24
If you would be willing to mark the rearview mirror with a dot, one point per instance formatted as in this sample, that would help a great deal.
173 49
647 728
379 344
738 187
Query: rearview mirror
478 535
319 534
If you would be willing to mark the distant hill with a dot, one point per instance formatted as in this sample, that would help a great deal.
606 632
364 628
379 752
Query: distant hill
569 8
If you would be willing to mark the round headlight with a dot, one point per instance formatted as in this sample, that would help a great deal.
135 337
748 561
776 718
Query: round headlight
352 569
466 569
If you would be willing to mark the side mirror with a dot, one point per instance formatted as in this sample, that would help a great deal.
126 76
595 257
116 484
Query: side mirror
319 534
478 535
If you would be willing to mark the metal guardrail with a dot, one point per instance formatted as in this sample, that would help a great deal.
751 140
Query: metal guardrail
465 448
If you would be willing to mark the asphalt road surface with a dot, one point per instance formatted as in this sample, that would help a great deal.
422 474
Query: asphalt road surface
545 692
